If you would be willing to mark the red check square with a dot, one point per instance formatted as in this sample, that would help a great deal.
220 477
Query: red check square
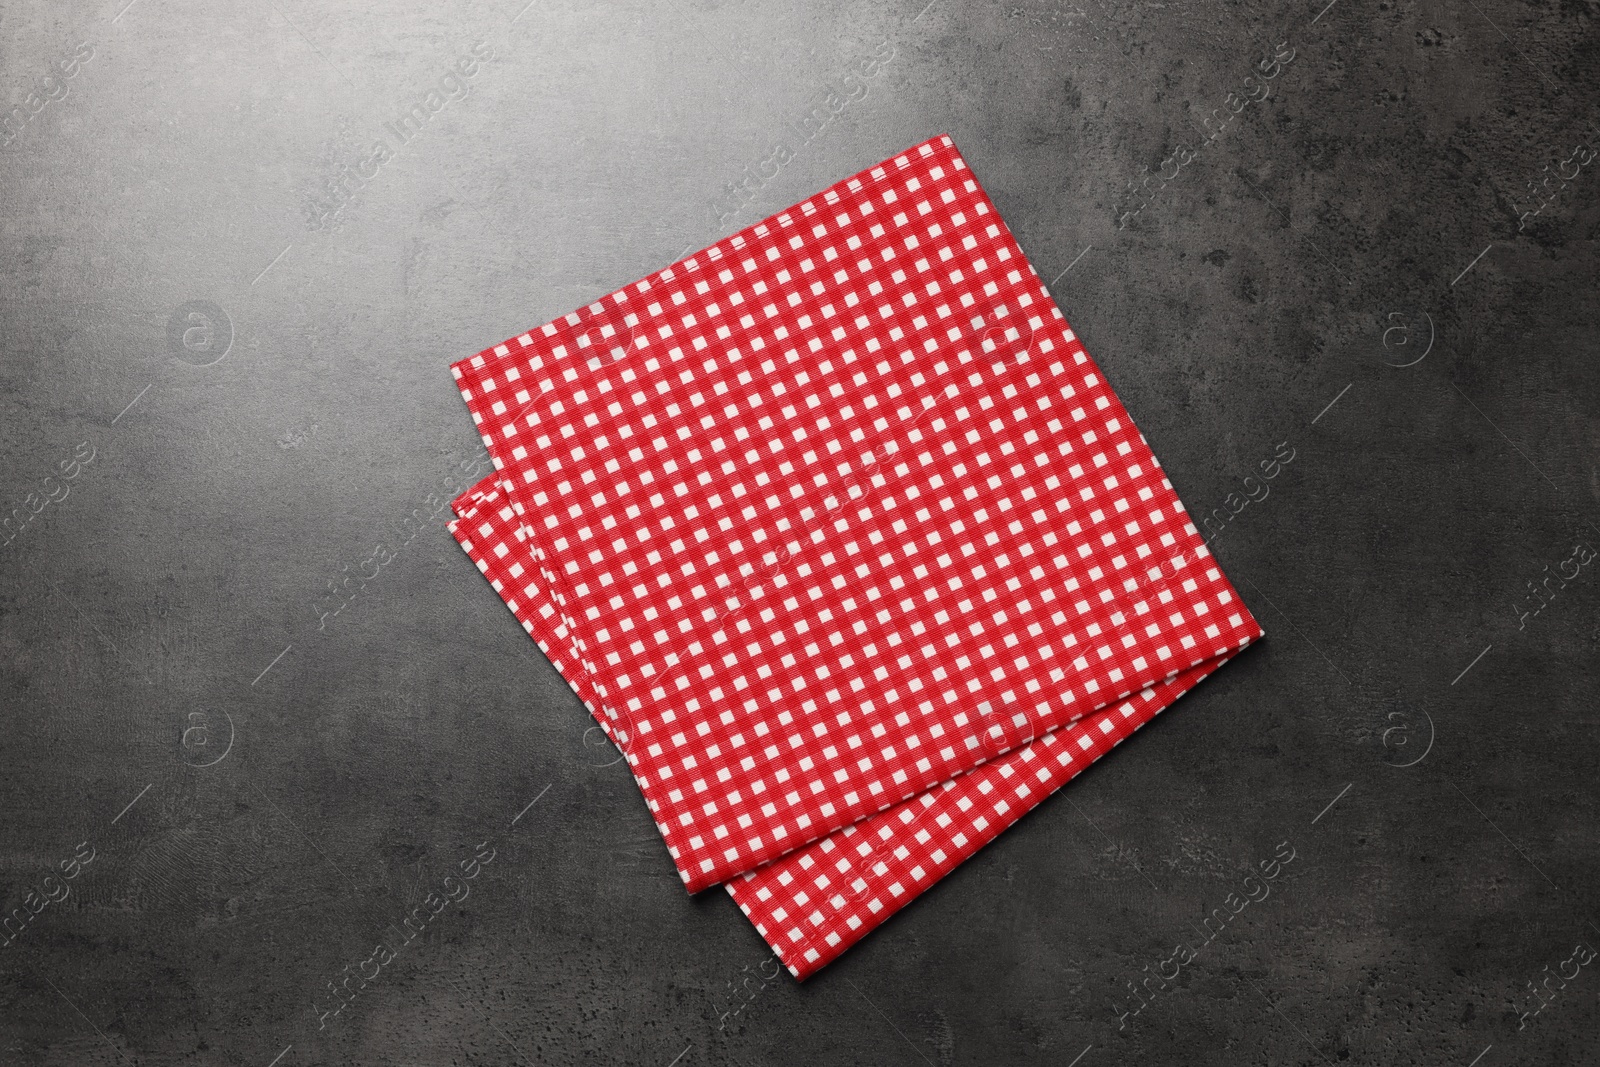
838 509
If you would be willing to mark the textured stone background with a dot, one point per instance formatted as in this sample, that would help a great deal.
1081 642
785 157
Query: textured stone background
1411 190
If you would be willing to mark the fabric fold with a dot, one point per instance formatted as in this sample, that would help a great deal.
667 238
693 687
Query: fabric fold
815 902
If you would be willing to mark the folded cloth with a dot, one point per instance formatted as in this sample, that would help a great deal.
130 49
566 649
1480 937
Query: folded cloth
838 509
815 902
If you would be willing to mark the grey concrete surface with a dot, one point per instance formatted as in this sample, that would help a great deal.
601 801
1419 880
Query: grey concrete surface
1382 257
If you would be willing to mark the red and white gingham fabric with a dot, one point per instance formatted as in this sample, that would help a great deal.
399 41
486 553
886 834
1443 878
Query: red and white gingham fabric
848 512
815 902
830 513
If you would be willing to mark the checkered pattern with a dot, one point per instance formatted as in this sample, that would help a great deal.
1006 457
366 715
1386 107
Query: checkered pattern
817 901
838 509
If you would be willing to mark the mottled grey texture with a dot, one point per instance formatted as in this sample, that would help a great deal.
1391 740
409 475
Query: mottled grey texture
1314 243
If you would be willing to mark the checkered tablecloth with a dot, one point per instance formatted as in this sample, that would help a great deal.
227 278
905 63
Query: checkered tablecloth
836 521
